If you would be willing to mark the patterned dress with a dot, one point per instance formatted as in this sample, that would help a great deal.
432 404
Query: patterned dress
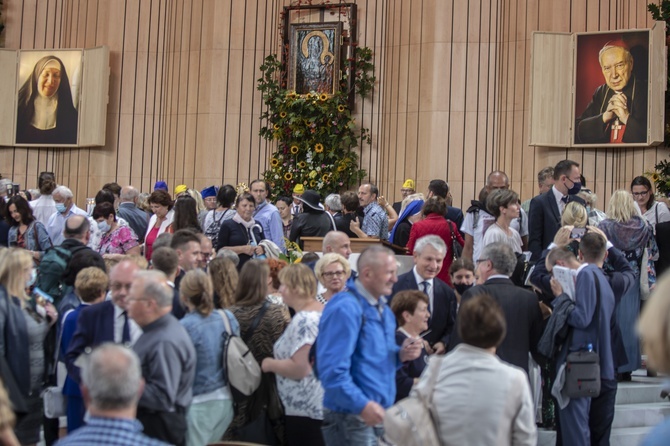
261 343
302 398
118 241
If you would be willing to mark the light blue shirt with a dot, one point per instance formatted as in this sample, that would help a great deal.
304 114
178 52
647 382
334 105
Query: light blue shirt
268 217
56 224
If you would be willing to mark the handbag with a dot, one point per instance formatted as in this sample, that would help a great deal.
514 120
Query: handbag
409 422
240 367
456 248
54 402
582 368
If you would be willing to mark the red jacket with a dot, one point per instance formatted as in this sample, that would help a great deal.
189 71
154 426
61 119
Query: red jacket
435 224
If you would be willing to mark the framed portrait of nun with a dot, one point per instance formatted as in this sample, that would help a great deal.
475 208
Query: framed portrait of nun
48 97
54 97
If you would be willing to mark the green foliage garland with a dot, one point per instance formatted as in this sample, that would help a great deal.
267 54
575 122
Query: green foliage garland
315 133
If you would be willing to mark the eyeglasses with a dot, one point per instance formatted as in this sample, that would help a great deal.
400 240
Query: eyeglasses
640 194
332 274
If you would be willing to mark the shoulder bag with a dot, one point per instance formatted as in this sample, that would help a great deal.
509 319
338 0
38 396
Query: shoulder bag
239 365
582 368
456 248
409 422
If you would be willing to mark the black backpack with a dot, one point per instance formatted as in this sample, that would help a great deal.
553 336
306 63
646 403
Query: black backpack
212 231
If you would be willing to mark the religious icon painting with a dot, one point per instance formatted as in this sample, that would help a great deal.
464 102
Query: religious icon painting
314 58
612 88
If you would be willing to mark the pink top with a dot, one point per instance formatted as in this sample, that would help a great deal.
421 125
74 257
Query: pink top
118 241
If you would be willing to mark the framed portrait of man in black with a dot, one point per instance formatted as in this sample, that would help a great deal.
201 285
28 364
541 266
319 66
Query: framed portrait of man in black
598 89
314 57
612 88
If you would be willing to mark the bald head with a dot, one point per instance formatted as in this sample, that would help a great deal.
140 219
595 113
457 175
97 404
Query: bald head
77 227
120 281
337 242
128 194
497 180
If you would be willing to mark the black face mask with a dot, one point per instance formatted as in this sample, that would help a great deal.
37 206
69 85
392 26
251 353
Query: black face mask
462 287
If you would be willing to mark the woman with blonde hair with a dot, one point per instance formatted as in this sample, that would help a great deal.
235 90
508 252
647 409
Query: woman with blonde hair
575 215
299 389
24 325
211 411
90 286
628 231
224 278
332 271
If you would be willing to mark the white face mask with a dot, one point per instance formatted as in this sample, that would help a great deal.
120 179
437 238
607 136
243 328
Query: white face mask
104 227
33 278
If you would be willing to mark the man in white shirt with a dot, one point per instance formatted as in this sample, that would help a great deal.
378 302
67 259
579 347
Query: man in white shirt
65 207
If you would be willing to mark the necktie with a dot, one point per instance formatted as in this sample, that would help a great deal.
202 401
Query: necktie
425 285
565 199
125 338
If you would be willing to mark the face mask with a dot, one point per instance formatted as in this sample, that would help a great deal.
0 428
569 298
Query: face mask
462 287
576 187
60 207
588 209
33 277
104 226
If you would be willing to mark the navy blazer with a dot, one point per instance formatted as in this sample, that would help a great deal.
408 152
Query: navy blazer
522 314
544 220
95 326
443 316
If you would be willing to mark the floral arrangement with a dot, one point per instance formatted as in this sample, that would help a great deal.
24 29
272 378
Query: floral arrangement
315 133
660 176
293 252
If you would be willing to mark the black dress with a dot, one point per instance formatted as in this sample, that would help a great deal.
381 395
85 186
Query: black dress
233 233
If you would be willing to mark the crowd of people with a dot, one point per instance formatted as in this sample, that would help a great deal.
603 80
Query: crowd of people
128 309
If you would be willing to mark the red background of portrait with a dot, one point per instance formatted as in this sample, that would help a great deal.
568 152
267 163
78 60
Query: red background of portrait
588 72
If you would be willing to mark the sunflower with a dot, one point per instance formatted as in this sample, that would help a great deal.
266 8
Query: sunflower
341 168
282 114
302 164
655 177
340 108
326 178
318 148
294 149
312 183
276 126
291 95
274 162
323 96
288 176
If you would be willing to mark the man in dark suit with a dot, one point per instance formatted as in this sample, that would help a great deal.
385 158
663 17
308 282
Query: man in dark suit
440 188
429 253
522 309
546 209
106 321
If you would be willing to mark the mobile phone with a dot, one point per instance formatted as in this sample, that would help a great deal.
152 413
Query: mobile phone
42 295
577 233
15 189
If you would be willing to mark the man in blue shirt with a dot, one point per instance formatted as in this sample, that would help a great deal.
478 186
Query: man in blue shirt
111 385
357 356
266 214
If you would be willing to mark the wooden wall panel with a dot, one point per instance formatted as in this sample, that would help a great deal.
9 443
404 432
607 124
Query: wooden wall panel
451 99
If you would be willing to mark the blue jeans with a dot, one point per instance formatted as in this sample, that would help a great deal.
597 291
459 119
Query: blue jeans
348 429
